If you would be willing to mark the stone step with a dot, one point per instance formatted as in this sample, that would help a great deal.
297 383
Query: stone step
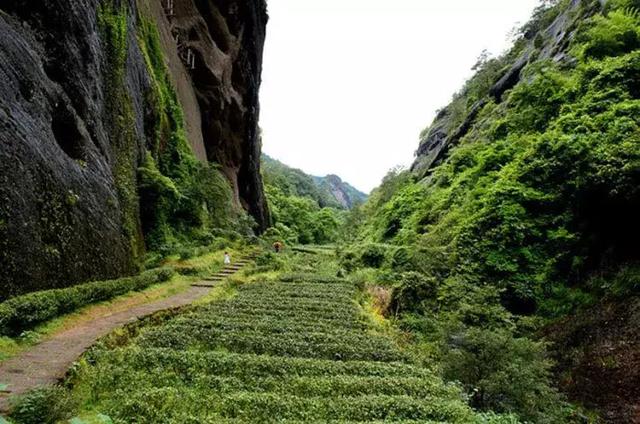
202 284
227 271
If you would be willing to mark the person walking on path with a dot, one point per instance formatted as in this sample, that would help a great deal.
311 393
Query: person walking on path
227 258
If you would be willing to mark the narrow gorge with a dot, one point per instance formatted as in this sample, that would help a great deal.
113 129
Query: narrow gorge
157 266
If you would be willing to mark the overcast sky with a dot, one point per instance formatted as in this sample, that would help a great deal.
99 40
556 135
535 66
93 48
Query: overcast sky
349 84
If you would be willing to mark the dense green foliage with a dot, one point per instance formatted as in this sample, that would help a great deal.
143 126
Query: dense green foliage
46 405
25 312
296 351
545 187
530 216
303 212
301 220
294 182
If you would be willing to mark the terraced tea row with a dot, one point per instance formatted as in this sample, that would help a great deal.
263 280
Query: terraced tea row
179 405
250 365
275 352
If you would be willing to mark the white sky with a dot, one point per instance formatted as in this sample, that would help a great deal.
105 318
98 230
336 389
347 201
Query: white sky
349 84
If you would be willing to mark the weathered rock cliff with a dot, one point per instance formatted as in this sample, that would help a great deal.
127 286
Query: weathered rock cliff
223 39
346 195
71 141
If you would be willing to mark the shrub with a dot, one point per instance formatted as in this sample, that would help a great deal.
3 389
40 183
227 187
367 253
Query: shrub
152 260
348 260
369 255
47 405
266 262
25 312
401 259
624 281
273 234
413 291
503 373
612 35
186 253
372 255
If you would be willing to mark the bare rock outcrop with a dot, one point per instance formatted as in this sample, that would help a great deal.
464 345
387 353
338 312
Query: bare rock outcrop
220 45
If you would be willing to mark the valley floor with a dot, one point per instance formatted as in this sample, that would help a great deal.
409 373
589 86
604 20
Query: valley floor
297 348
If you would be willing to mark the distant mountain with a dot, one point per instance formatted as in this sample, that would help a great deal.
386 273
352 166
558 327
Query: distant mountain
328 191
344 193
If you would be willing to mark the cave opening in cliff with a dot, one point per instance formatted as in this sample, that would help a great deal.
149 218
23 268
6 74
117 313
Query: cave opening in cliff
66 133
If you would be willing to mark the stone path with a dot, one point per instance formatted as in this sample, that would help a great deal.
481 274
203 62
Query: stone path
47 362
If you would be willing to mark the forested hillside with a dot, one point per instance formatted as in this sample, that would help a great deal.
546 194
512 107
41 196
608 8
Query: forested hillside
521 211
306 209
327 191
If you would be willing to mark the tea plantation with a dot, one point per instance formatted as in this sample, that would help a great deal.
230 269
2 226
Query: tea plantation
296 351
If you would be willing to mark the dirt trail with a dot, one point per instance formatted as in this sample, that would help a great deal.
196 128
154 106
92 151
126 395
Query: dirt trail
48 362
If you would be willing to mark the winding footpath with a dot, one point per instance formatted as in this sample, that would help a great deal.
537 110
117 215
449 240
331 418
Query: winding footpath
47 362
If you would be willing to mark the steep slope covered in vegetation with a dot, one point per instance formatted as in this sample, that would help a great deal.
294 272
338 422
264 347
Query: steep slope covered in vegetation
521 208
306 209
101 159
328 191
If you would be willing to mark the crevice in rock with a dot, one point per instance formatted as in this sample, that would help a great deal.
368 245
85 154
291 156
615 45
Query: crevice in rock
66 132
216 25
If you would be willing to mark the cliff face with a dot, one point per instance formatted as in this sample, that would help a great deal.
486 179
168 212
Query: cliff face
76 119
346 195
223 41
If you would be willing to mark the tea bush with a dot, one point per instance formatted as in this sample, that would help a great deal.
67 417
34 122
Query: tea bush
47 405
25 312
286 351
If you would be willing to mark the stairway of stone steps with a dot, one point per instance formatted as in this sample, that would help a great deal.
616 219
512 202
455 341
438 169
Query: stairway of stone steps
226 272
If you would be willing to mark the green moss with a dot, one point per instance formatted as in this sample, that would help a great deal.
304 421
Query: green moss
113 25
72 198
